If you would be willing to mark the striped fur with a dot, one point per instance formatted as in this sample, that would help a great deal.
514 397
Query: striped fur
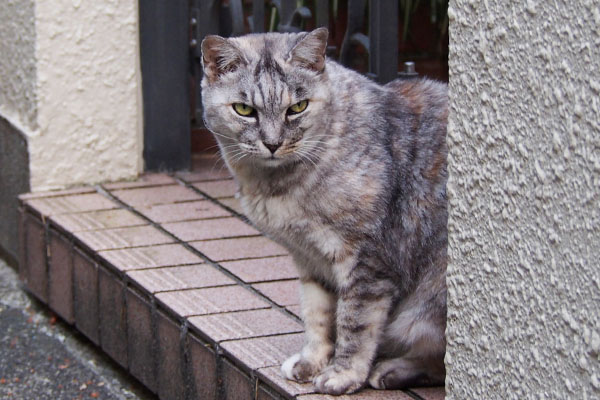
356 191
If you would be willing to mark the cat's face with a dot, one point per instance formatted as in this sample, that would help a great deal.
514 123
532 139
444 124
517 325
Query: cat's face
266 97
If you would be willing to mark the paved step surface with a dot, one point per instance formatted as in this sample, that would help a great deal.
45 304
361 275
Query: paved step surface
171 281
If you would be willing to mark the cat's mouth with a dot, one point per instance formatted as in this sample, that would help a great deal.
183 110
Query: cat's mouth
276 160
272 160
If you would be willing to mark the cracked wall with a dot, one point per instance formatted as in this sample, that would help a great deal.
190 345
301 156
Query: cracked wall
524 190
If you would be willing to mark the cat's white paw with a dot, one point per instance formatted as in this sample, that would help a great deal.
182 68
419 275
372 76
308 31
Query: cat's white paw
298 368
287 367
336 380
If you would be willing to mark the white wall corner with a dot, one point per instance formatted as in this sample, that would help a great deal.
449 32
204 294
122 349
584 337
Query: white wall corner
89 122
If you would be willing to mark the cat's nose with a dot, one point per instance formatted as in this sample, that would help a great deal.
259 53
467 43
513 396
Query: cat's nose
272 147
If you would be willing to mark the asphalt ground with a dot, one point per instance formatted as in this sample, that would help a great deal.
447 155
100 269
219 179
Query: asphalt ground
41 357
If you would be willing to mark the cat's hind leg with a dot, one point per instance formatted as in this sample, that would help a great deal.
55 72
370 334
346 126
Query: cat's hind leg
413 347
403 372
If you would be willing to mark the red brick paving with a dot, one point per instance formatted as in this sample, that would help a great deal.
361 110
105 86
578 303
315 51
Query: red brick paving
176 212
146 179
130 286
56 193
236 249
218 189
284 293
296 310
156 195
96 220
246 324
211 300
219 228
120 238
150 257
232 203
265 351
48 206
263 269
180 278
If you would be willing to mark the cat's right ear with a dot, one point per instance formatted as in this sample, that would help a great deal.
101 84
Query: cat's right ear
219 56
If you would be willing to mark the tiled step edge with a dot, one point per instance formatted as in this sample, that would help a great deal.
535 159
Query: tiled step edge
170 356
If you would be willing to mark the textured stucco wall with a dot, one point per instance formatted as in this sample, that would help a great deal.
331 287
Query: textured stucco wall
89 106
524 138
17 63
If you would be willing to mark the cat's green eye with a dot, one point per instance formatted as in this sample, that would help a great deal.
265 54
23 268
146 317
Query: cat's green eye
243 109
298 107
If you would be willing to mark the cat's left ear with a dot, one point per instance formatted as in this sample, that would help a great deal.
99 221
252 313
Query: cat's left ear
309 52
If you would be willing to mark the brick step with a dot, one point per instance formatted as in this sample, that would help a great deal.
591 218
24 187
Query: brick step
169 279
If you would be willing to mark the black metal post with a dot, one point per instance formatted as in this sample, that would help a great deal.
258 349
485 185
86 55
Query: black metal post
322 11
165 63
258 16
383 39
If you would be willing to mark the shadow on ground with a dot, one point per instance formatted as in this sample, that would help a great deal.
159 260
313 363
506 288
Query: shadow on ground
43 358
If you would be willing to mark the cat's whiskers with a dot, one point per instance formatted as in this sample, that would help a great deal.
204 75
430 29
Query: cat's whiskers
313 155
301 158
238 157
221 135
234 154
306 156
220 160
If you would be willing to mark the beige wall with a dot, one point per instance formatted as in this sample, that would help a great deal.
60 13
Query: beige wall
524 189
74 85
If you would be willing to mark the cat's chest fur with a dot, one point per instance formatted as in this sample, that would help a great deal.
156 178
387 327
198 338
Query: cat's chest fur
288 219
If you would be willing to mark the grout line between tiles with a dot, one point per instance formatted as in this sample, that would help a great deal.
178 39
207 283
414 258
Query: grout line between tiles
213 239
190 289
190 185
223 312
413 394
245 258
127 270
254 337
56 224
193 219
209 261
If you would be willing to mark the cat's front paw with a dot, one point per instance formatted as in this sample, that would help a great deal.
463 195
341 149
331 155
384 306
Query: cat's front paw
336 380
300 369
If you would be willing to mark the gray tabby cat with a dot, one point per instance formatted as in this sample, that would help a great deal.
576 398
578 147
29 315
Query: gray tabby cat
350 176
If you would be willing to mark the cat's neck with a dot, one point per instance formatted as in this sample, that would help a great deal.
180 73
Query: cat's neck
256 179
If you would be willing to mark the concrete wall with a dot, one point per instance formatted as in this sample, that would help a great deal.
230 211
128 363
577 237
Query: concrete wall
524 138
17 63
88 88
